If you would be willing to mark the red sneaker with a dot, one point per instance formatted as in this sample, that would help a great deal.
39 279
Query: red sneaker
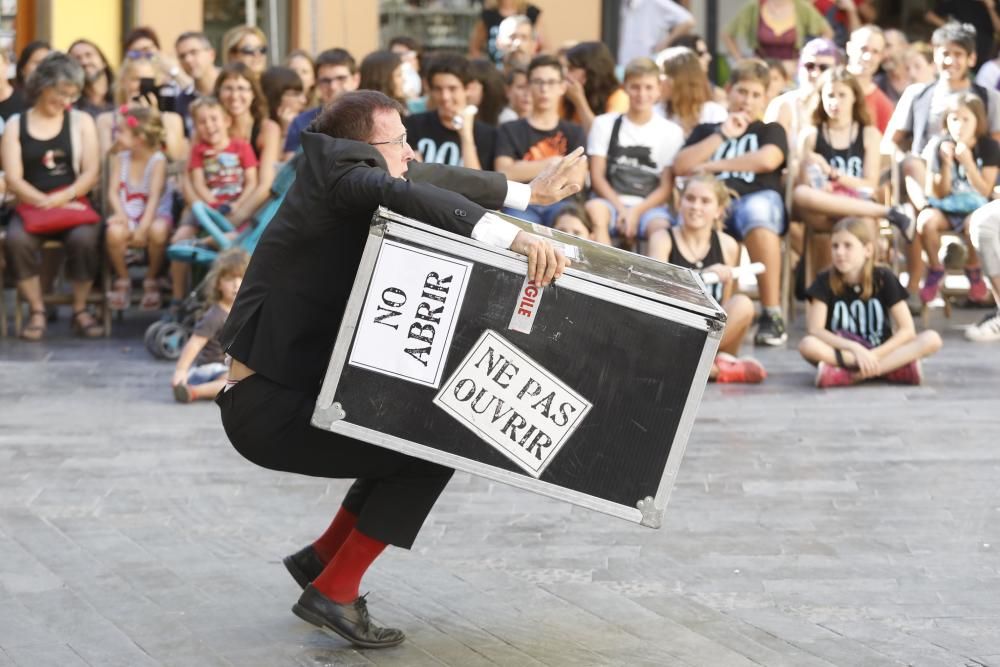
832 376
908 374
978 291
743 371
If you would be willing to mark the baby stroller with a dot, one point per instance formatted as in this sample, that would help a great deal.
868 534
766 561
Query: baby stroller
165 339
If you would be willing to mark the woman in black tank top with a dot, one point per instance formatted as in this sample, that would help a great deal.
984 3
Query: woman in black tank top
839 170
696 243
42 171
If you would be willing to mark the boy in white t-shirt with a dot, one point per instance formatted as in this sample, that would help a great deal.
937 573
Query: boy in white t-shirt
630 159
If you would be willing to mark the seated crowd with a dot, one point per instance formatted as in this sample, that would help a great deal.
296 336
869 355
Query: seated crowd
795 151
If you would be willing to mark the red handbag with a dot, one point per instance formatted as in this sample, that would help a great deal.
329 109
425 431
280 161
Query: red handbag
54 220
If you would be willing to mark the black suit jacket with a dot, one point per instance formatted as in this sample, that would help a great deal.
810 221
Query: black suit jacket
287 314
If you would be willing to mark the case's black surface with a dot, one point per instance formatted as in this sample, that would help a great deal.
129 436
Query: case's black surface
636 368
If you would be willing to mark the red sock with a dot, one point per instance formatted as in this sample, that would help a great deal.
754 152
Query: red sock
329 542
341 578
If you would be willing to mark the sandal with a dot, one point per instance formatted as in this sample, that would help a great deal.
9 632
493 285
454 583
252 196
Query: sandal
120 296
85 326
151 299
33 331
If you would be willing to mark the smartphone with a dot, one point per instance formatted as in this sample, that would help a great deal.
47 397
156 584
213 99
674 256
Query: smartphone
147 85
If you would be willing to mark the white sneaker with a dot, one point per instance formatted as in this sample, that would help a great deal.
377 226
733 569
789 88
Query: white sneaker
987 331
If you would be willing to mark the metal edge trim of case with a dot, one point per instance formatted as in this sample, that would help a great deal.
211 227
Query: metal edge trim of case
576 283
323 416
391 216
684 426
483 470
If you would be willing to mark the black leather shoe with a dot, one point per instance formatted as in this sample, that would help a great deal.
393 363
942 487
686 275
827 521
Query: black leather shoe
350 621
304 565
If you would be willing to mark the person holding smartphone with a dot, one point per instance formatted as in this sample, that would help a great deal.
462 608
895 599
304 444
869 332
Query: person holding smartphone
138 85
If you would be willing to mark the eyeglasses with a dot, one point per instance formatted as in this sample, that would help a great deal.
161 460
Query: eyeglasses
545 83
330 80
139 55
253 50
399 141
811 67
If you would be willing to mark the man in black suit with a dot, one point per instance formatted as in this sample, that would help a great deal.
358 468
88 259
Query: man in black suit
283 325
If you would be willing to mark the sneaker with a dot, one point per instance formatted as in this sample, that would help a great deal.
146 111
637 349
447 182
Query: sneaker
743 371
908 374
770 330
932 283
832 376
905 218
978 292
987 331
182 393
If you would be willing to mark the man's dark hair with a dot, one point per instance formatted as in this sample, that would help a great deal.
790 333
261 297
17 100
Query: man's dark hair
337 57
449 63
352 115
544 60
194 34
962 35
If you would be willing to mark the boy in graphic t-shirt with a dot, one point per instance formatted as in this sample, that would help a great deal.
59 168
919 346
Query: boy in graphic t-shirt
630 159
223 169
449 135
526 146
748 155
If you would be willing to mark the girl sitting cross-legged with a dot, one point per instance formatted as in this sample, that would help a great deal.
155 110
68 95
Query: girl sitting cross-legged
859 326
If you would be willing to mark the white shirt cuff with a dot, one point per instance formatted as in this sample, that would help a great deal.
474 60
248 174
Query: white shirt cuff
495 231
518 196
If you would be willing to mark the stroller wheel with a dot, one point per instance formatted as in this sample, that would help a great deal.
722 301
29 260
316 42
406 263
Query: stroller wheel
149 339
170 339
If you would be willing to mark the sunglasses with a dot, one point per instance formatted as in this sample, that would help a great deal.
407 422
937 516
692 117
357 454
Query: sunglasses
812 67
253 50
140 55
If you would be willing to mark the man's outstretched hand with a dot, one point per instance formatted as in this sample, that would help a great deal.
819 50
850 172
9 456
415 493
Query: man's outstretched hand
545 261
559 179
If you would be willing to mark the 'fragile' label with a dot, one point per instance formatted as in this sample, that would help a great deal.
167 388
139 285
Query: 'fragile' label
528 300
512 403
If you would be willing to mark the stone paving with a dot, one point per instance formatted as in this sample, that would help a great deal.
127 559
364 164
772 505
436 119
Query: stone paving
807 528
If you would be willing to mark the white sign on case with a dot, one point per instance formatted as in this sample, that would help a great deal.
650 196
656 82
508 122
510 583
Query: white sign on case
512 403
410 312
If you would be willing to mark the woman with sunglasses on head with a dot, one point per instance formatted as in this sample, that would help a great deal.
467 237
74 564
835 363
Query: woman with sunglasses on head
245 44
98 95
137 85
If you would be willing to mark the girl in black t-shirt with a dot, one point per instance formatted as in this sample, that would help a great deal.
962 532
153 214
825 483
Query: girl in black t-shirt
697 243
964 161
859 326
840 164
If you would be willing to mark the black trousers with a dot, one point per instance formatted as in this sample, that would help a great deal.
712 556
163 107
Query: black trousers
269 425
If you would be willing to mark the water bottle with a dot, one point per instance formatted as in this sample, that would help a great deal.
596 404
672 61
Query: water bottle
815 176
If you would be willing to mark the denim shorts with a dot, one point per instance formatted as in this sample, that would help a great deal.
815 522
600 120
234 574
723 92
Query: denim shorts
764 208
536 213
206 373
655 213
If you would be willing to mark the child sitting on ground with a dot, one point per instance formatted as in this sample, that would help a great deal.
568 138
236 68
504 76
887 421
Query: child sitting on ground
850 337
140 203
964 161
697 243
201 372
